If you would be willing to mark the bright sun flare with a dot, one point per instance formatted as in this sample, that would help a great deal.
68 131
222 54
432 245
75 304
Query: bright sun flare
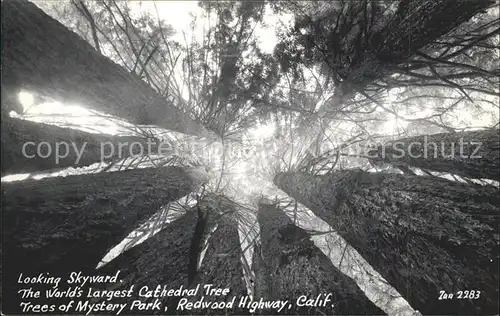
263 131
26 99
71 115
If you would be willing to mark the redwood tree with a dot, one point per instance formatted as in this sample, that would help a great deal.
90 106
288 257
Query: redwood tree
294 266
55 63
164 260
422 234
60 225
74 148
474 154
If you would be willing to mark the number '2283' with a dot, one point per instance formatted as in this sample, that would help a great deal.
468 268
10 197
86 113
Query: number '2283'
461 295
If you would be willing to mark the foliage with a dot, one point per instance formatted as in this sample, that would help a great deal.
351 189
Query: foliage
218 73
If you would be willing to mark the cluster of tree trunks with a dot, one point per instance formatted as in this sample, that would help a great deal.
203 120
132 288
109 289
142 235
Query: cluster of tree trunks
160 260
42 56
474 154
29 147
290 265
60 225
163 260
422 234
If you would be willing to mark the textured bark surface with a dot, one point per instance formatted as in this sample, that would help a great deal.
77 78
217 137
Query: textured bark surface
16 133
59 225
474 154
262 282
160 260
295 267
415 24
419 22
421 234
221 266
40 55
163 260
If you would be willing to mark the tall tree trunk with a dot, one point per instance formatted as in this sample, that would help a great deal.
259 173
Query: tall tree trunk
60 225
163 260
474 154
422 234
295 267
221 266
21 139
262 282
54 62
415 24
160 260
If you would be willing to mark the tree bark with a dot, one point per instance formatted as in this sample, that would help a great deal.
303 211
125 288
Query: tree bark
415 24
19 135
472 154
419 22
160 260
61 225
422 234
295 267
80 6
221 267
163 260
41 56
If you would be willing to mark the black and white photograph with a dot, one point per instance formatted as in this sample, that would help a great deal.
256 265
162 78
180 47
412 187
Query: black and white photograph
257 157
